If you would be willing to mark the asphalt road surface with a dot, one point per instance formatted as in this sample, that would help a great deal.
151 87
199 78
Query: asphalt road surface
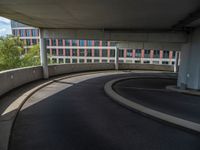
76 114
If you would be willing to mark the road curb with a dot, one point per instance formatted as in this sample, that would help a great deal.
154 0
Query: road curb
108 88
189 92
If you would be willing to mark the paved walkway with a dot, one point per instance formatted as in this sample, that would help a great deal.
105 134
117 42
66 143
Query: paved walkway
152 93
75 114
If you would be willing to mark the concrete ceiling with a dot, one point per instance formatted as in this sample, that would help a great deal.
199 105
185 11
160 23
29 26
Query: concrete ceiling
101 14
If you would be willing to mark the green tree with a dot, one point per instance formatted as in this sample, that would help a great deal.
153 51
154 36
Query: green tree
32 57
11 49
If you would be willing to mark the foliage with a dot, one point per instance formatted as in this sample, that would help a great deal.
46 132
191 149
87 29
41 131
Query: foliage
32 57
12 54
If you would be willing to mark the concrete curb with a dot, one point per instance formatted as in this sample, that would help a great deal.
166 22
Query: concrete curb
189 92
148 111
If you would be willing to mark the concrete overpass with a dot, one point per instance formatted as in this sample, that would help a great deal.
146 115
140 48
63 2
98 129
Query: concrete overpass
141 24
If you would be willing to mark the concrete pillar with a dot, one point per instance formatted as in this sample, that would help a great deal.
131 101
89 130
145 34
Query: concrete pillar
43 56
189 71
116 58
176 64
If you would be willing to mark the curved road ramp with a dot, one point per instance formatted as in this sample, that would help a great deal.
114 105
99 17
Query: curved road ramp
73 112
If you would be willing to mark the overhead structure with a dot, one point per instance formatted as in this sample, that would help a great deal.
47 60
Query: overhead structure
143 24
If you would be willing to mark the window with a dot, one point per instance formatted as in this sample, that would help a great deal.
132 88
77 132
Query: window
67 60
173 62
81 43
60 42
138 53
22 32
74 43
81 60
104 53
34 41
81 52
155 62
28 32
165 54
121 61
146 62
104 61
156 54
48 42
104 43
89 43
54 52
96 52
60 52
48 51
138 62
74 60
112 61
28 42
61 61
89 60
53 42
112 53
121 53
89 52
54 60
74 52
129 53
165 62
67 52
174 54
34 32
67 43
96 43
146 53
128 61
96 61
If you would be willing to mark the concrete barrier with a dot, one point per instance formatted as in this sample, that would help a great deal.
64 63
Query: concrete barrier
129 66
11 79
73 68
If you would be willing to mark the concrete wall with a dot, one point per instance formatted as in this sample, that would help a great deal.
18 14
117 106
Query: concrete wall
126 66
13 78
72 68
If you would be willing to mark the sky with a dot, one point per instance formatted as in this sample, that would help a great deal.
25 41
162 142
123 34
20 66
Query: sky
5 27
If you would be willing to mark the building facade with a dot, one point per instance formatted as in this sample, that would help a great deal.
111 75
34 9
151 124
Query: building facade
90 51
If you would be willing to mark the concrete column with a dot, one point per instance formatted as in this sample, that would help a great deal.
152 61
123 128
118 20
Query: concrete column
116 58
43 56
176 64
189 71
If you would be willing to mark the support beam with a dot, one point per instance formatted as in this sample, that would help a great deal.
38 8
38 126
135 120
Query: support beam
163 37
116 58
43 56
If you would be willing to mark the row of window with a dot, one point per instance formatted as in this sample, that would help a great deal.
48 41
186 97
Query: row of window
105 53
82 52
29 42
138 53
74 60
26 32
61 42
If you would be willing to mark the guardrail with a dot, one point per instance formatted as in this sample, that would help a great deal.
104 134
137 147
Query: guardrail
11 79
